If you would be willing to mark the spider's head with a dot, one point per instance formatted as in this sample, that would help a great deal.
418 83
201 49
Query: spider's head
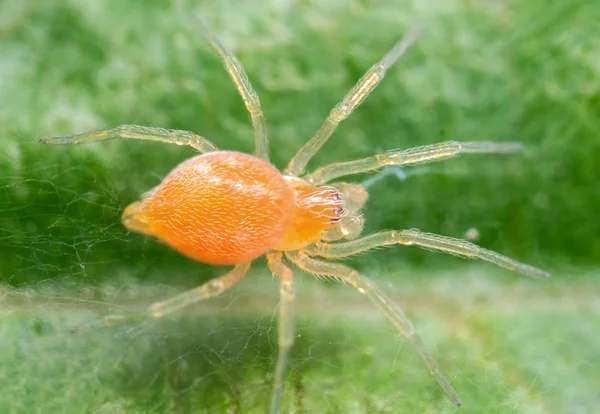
351 224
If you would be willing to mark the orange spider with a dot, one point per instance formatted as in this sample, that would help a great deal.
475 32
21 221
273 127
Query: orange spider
229 208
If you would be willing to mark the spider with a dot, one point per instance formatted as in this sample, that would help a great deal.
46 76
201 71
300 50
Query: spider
229 208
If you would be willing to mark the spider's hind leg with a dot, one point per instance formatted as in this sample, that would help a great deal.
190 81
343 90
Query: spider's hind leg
242 83
285 329
170 136
208 290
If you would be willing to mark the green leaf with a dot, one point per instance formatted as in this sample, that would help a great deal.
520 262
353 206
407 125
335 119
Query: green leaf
506 344
509 71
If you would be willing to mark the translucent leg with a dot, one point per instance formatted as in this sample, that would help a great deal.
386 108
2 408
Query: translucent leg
428 241
159 309
285 327
384 303
249 95
171 136
351 101
418 155
349 227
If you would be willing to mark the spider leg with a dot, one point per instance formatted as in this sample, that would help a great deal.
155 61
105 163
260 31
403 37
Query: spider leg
285 325
209 289
427 241
349 227
244 88
385 304
171 136
412 156
351 101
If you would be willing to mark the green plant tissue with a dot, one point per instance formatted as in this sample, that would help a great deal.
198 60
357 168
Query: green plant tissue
526 71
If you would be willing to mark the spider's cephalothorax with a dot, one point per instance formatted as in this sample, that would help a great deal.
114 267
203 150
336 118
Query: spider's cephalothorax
226 207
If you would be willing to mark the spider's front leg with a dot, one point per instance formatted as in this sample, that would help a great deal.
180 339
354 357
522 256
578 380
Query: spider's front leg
351 101
428 241
412 156
208 290
285 329
384 303
170 136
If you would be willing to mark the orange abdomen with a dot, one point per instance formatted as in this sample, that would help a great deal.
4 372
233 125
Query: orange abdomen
221 207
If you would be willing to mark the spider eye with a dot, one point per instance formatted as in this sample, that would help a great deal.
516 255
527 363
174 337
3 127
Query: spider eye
339 213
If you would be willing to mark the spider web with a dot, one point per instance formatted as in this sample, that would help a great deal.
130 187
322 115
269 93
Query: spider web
73 66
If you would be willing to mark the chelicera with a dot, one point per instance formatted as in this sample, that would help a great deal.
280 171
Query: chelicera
229 208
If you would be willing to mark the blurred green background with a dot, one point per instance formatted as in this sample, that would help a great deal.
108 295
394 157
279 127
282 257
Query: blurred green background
525 71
